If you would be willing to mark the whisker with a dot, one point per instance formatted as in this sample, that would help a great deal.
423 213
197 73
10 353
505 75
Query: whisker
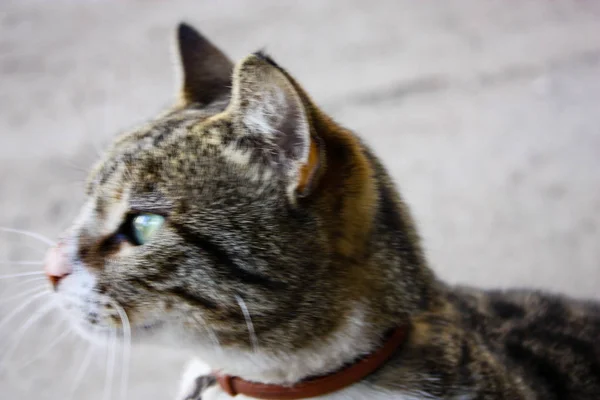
17 242
46 350
16 294
22 306
214 338
87 358
26 281
97 148
249 324
34 235
71 164
23 294
110 365
21 274
126 348
34 279
45 309
210 331
21 263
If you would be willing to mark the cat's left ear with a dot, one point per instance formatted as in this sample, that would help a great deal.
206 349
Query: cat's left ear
266 105
206 70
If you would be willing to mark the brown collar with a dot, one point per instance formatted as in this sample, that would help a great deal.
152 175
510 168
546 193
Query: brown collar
318 386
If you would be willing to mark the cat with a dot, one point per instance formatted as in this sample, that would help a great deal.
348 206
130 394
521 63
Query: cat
248 227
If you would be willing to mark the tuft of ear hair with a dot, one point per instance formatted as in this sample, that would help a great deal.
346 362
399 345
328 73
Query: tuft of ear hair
206 69
266 105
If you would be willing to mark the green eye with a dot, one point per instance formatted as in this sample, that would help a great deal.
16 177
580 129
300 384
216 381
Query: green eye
144 226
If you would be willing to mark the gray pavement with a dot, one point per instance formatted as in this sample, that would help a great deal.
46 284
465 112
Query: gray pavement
487 114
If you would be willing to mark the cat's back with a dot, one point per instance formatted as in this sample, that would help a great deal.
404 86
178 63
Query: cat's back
552 342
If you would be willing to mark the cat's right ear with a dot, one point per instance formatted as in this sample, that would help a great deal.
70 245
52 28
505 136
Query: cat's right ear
206 70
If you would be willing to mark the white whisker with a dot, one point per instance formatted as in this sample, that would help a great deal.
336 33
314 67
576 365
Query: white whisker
20 333
22 306
82 369
22 242
34 235
23 294
96 147
46 350
71 164
8 262
110 365
249 324
27 281
21 274
214 338
211 333
126 348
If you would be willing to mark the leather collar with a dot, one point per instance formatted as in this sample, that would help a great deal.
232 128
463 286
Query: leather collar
320 385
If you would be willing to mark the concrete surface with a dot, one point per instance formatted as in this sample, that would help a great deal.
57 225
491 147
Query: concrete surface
486 112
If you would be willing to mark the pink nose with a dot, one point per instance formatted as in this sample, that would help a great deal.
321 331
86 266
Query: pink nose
56 265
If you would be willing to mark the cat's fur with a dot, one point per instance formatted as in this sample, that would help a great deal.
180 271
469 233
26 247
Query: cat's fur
288 252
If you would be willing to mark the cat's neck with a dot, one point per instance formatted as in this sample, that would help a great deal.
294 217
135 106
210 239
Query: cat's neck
359 336
350 341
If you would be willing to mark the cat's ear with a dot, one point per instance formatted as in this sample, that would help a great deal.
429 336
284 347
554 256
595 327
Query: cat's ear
266 105
206 70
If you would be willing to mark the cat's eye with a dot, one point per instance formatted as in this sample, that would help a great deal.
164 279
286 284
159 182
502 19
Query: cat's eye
144 226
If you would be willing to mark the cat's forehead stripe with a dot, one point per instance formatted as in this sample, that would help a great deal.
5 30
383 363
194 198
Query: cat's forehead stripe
161 133
164 147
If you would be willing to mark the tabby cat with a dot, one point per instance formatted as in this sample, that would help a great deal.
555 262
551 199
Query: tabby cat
246 225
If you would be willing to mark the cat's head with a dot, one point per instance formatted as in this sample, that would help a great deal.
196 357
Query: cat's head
239 221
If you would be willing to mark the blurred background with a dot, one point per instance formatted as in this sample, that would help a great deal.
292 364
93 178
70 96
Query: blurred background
487 113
